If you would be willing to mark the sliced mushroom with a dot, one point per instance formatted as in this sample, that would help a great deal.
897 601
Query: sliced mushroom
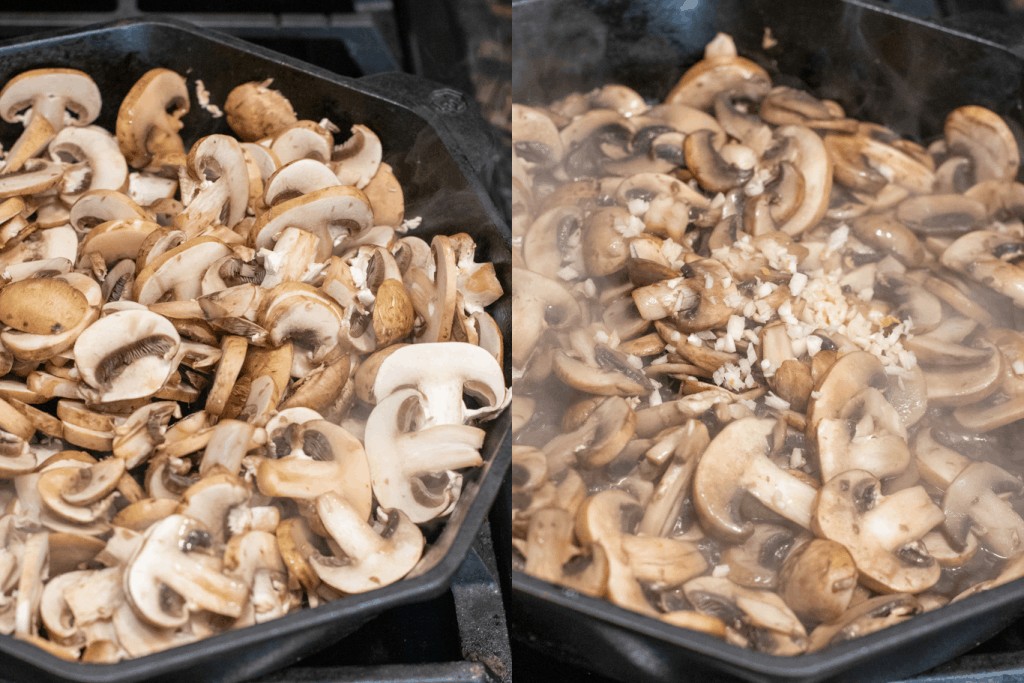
149 120
889 555
373 557
736 463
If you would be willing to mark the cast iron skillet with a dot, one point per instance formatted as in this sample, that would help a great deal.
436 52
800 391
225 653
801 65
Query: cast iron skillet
881 67
438 146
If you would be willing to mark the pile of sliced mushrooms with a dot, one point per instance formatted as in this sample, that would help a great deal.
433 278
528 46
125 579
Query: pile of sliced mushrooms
233 385
768 360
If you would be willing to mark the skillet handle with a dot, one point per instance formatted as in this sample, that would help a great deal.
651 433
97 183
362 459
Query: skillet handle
456 118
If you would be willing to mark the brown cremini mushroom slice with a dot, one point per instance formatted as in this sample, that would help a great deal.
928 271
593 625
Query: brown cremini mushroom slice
736 463
867 435
297 178
721 70
301 314
981 135
865 617
754 618
149 121
373 557
214 160
598 439
552 556
334 214
302 140
92 161
817 580
815 165
989 257
889 554
176 272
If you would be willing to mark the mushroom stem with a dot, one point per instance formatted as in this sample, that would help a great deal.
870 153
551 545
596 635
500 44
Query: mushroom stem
354 535
902 517
443 447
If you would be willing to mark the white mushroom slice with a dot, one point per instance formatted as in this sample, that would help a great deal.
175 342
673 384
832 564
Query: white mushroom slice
54 612
96 162
298 178
412 470
303 315
373 557
149 120
42 246
99 206
211 499
62 96
34 571
987 256
230 441
46 100
81 494
218 159
357 159
135 369
147 189
983 136
137 437
444 373
254 558
882 533
116 240
868 435
315 457
302 140
756 619
178 270
36 176
333 214
173 574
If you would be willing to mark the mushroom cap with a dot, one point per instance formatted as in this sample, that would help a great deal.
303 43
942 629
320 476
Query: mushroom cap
444 372
52 91
315 212
150 114
255 111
